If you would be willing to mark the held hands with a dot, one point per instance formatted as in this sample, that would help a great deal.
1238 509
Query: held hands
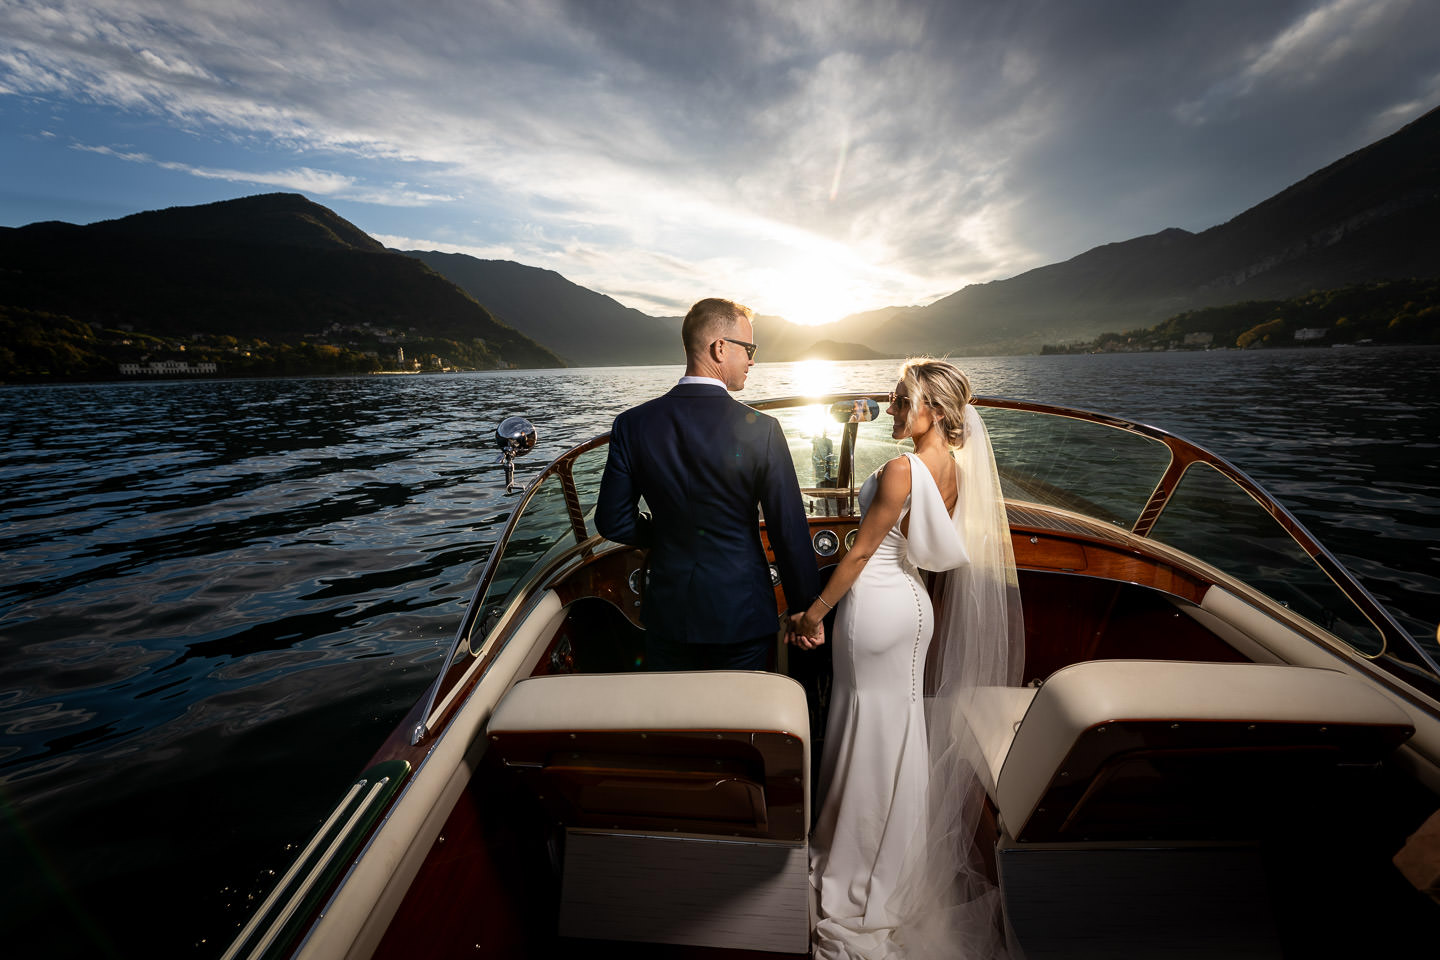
805 633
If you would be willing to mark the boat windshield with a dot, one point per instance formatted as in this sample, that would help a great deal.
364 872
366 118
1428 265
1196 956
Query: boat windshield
543 532
1079 465
1212 518
1132 476
1127 475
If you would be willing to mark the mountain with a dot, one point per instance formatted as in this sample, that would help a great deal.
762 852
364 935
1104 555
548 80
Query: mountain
282 219
272 267
591 329
279 266
832 350
585 327
1380 312
852 338
1367 217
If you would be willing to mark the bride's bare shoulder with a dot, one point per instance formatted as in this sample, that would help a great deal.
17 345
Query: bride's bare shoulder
895 474
900 464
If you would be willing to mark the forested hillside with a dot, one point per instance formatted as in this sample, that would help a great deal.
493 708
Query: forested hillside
273 283
1389 312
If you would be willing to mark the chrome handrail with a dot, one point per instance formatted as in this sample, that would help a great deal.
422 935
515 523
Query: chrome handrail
559 466
1183 454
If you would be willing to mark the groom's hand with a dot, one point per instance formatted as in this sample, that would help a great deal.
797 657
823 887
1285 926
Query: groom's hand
800 636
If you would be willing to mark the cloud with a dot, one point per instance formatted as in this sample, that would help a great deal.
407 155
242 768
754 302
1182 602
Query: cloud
884 150
1321 37
322 183
1307 52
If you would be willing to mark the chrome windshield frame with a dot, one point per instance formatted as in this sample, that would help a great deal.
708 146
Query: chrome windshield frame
561 467
1183 455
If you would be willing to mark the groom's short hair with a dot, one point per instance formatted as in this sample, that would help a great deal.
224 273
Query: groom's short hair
708 321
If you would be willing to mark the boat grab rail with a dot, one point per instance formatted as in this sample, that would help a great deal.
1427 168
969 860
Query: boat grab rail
1184 454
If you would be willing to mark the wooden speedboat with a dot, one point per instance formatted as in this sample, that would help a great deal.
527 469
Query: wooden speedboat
1222 744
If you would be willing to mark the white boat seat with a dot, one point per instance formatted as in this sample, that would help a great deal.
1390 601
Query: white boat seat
1150 749
713 752
994 716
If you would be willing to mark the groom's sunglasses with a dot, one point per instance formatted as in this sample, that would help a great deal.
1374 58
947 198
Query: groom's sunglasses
749 347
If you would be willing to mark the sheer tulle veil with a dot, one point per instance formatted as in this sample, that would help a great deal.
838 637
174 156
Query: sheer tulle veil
950 907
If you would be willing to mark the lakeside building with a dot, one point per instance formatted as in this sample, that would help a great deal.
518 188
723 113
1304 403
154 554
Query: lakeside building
165 368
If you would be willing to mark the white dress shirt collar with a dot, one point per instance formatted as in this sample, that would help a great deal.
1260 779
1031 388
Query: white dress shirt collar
710 380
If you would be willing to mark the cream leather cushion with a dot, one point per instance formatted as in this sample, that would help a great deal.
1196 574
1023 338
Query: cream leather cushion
702 700
1084 695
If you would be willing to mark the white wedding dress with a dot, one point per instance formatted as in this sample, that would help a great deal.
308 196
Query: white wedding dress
875 770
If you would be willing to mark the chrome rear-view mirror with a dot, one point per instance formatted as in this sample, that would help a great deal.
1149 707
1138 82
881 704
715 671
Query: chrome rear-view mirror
860 410
515 437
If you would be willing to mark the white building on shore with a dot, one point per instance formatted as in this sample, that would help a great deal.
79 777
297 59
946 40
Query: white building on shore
165 368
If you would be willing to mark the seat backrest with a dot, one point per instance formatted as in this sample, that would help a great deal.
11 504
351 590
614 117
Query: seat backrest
714 752
1167 749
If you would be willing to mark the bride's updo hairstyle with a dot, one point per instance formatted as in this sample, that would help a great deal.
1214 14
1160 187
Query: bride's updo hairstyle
945 390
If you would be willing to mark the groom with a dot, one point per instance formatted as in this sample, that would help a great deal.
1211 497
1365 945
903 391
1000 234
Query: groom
703 461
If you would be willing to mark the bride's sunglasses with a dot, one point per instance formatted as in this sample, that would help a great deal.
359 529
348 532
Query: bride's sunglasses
899 400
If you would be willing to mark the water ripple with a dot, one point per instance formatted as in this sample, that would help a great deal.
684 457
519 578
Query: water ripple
216 598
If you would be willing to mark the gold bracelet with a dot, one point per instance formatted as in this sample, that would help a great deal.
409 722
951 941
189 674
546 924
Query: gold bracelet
824 601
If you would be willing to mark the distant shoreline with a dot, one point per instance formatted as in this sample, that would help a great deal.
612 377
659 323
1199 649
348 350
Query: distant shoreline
678 364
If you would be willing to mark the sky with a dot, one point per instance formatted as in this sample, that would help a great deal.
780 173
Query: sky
809 159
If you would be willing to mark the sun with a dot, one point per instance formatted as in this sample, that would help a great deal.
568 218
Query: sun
812 293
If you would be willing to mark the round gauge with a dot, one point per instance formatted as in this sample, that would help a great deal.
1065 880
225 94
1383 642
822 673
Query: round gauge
634 581
850 538
774 574
826 543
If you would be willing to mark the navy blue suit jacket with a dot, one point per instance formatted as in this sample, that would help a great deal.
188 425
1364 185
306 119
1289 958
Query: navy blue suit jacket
704 462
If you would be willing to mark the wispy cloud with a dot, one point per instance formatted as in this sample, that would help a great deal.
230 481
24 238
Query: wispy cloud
1308 51
323 183
303 179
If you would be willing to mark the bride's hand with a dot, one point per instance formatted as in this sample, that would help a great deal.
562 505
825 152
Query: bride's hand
808 633
817 635
801 636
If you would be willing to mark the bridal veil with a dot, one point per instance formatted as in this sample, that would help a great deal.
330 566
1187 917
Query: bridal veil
948 904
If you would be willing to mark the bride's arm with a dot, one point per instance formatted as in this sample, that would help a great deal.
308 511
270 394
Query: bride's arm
884 511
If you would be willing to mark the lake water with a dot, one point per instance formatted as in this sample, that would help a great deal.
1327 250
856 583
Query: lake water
218 597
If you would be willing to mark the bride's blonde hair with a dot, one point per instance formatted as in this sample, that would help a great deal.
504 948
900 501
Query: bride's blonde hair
944 388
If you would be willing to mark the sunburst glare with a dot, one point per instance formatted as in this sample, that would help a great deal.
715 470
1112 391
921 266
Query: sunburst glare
811 293
815 422
814 378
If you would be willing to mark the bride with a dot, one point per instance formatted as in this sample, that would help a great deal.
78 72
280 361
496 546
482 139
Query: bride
893 851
